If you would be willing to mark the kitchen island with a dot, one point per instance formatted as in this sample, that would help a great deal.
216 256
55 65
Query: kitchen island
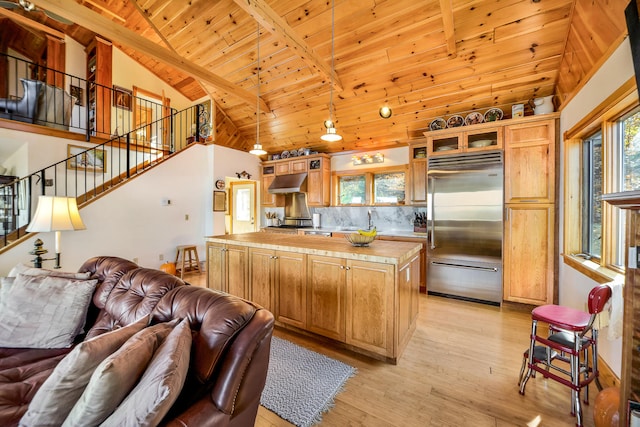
365 298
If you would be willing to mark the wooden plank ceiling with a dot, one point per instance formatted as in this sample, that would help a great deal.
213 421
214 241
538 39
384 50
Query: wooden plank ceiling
424 59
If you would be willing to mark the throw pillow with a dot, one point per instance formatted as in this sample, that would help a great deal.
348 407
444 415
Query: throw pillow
32 271
43 311
160 385
54 400
114 378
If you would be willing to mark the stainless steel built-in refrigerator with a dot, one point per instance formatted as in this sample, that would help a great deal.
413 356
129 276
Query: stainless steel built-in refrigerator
465 209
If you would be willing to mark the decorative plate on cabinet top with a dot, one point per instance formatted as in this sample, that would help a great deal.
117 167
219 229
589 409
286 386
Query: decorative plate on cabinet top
455 121
284 155
473 118
493 114
437 124
293 153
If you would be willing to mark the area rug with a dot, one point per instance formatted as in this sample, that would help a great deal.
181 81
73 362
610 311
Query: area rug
301 384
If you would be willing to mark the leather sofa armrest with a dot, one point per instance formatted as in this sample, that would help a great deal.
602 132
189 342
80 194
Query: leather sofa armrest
235 395
202 413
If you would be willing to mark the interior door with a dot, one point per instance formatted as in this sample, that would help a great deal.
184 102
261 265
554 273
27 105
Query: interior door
148 110
242 207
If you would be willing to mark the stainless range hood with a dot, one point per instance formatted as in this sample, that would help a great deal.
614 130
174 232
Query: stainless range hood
283 184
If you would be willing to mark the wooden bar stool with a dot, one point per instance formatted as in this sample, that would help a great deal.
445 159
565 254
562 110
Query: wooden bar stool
189 261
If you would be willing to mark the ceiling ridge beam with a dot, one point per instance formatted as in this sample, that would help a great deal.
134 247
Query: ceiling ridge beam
272 22
107 28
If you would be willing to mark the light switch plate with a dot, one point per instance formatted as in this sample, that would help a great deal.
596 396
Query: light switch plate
633 257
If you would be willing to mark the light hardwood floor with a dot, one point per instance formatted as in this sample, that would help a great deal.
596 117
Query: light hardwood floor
460 369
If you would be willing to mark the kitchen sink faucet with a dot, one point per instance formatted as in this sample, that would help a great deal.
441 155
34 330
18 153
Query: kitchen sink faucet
369 222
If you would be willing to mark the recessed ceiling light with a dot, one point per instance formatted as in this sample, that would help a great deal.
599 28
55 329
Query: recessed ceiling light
385 112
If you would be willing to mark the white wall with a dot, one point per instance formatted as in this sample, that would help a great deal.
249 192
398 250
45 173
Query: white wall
131 222
226 163
127 73
392 157
574 287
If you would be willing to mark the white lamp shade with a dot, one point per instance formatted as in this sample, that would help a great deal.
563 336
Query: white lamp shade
56 214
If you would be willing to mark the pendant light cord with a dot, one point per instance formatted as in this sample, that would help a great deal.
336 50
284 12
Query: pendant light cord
258 98
333 20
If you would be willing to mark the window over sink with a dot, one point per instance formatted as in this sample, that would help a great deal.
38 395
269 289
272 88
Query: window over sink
371 187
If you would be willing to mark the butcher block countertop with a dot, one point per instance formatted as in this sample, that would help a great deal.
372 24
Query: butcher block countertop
388 252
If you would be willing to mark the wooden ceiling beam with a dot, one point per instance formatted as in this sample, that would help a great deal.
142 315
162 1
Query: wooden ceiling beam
272 22
117 33
31 23
449 30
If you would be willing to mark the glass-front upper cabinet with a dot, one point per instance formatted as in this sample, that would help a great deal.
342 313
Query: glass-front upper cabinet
458 140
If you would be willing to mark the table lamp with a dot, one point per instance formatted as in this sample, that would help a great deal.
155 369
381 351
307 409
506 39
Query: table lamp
55 214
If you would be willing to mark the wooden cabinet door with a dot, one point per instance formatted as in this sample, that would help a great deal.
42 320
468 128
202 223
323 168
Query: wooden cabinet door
216 271
528 265
318 182
418 182
283 168
291 285
448 143
529 165
298 166
267 198
315 188
370 306
325 298
237 270
261 277
408 294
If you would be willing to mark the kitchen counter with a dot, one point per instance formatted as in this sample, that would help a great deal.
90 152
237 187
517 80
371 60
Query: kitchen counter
388 252
364 298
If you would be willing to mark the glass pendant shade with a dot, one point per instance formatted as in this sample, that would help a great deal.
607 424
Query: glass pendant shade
257 150
331 135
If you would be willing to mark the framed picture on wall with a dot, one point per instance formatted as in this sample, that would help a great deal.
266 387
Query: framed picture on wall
122 97
86 158
219 201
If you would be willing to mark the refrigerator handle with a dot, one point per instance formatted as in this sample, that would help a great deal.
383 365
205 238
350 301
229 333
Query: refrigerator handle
432 186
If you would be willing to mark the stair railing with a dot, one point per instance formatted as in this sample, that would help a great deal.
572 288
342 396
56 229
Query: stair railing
88 172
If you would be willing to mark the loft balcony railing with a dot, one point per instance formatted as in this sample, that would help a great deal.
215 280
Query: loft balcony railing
66 102
87 172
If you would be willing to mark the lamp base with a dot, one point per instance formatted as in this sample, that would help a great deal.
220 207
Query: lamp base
38 250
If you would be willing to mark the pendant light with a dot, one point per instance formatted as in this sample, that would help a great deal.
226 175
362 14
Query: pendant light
332 134
257 147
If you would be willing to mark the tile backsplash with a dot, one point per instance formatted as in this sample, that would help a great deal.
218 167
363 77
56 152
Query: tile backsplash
383 217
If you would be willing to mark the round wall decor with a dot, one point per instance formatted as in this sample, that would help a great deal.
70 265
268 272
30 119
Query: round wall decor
220 184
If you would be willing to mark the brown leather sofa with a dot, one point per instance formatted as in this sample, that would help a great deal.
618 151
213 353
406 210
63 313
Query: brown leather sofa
229 355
